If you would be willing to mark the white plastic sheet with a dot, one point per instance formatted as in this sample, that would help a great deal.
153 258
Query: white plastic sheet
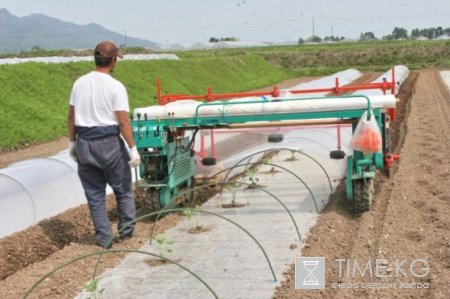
345 77
401 73
445 75
186 108
17 207
60 59
36 189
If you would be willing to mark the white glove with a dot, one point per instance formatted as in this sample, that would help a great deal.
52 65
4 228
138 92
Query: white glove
135 159
73 150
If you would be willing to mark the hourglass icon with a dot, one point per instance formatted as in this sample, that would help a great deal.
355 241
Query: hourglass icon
310 279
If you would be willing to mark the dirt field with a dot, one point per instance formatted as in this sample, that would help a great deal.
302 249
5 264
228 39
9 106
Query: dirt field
410 218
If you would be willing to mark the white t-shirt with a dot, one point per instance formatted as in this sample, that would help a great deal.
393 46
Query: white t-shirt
95 97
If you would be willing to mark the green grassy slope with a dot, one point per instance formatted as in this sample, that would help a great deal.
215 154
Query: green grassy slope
34 96
319 58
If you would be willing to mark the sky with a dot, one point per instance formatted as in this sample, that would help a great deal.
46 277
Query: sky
189 21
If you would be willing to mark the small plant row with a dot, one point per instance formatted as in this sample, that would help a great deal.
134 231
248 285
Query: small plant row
193 213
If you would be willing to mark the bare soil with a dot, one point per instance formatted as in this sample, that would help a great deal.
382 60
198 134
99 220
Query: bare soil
410 217
33 151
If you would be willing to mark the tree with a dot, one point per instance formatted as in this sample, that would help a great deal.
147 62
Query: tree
314 39
226 39
229 39
36 48
447 31
399 32
415 33
367 36
301 41
428 32
332 38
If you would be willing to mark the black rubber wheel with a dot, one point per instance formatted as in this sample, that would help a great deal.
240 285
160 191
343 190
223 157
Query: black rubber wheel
209 161
363 190
152 200
337 155
275 138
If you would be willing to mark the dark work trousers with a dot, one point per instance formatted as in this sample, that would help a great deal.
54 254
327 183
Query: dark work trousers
101 161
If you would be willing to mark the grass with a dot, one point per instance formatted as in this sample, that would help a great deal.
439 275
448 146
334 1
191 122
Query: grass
326 58
34 97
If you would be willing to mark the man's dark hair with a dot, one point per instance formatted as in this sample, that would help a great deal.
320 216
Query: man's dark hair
105 53
102 61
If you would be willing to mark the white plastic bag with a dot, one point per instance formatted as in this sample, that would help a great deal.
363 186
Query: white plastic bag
367 136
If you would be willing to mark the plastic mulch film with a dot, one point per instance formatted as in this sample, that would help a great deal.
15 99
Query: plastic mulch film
401 73
36 189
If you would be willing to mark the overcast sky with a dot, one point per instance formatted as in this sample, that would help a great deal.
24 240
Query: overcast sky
190 21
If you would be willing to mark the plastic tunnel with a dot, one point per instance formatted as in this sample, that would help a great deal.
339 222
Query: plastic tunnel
401 74
37 189
345 77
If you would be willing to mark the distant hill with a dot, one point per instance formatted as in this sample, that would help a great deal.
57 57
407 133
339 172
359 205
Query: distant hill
38 30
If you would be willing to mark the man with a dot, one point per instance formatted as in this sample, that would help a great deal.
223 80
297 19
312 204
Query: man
98 115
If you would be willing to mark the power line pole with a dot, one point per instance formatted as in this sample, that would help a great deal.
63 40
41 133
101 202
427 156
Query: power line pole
313 27
125 38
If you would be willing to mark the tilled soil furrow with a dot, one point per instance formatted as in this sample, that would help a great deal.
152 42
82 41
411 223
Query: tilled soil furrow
410 218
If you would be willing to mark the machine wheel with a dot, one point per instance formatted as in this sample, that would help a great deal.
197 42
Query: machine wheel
209 161
337 155
275 138
152 200
363 190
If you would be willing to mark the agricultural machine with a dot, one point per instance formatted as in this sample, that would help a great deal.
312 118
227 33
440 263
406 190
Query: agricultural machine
165 133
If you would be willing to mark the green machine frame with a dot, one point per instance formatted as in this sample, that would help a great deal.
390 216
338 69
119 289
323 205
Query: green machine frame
168 163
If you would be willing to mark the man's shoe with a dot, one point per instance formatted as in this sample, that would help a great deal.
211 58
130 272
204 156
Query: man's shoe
105 246
109 245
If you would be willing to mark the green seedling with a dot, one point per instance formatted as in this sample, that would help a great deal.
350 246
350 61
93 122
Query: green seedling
250 173
233 186
194 215
266 160
164 244
92 288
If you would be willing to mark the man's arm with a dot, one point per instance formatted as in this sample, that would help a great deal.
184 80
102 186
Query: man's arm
125 128
127 133
71 123
72 133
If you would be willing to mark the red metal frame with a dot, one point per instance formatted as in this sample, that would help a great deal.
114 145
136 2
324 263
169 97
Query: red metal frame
275 92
